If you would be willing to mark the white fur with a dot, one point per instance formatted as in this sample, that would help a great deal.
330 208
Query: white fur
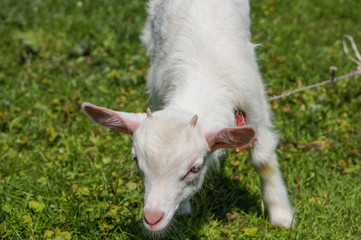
202 62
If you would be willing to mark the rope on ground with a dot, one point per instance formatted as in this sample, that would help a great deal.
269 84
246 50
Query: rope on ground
356 60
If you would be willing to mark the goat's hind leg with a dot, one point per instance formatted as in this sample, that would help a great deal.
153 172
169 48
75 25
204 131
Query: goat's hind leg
264 160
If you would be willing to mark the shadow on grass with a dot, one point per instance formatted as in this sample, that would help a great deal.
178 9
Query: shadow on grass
218 201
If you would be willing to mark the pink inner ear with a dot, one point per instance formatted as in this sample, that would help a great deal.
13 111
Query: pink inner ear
125 127
231 138
110 119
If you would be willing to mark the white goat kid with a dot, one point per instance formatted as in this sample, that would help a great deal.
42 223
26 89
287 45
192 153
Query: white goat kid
203 69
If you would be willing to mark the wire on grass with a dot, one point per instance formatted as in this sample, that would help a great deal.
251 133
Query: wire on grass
356 60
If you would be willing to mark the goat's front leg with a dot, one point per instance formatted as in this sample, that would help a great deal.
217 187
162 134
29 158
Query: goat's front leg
185 208
275 197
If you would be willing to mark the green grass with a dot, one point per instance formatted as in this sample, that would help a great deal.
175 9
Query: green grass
63 177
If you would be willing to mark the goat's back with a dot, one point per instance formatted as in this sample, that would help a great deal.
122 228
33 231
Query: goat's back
206 41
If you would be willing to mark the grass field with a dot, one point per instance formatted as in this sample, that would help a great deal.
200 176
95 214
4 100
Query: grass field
63 177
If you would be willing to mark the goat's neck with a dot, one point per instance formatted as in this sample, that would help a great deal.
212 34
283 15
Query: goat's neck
204 95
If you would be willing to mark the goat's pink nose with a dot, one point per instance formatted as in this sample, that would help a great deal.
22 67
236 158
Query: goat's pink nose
153 217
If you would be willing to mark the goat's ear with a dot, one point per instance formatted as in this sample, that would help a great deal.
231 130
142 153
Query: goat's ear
234 137
119 121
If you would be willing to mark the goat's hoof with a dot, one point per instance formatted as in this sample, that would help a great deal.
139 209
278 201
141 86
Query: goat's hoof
283 218
185 208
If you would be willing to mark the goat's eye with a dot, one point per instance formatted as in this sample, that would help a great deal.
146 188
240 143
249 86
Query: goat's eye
195 169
